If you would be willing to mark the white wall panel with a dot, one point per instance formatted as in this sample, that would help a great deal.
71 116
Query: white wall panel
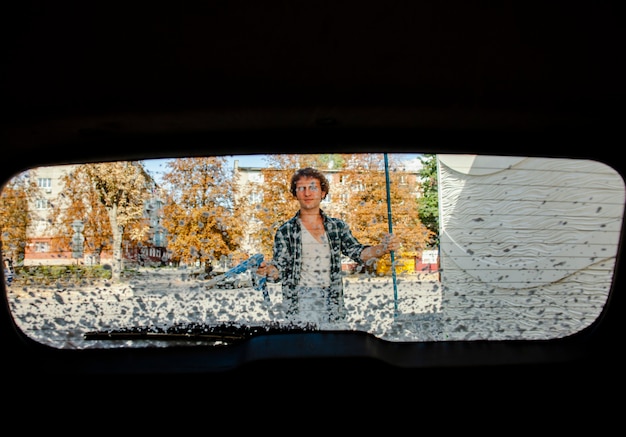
528 245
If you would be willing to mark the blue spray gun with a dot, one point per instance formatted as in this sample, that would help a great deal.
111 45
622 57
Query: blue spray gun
251 263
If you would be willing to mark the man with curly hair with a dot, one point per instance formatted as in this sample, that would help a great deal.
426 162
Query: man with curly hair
307 254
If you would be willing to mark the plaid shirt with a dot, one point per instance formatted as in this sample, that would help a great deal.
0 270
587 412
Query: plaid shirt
287 258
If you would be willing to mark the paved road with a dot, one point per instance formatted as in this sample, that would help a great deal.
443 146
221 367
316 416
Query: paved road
60 315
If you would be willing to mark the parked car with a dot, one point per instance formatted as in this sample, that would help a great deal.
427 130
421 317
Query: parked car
238 280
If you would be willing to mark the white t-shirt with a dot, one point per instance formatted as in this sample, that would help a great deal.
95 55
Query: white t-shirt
315 261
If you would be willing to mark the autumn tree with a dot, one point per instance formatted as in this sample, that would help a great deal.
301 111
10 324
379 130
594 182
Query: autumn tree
201 212
79 200
109 198
15 215
363 187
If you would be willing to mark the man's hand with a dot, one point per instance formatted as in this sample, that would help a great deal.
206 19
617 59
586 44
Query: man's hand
268 270
390 242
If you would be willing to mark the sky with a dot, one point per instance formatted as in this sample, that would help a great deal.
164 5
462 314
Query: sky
157 167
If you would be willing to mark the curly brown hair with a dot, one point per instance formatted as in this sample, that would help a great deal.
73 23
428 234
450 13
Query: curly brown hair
313 173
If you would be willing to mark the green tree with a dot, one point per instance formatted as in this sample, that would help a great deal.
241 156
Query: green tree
428 203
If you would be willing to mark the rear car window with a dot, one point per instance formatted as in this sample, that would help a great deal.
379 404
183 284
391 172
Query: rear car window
166 252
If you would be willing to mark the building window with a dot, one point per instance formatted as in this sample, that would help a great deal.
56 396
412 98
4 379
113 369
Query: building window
44 182
41 204
255 198
42 246
256 178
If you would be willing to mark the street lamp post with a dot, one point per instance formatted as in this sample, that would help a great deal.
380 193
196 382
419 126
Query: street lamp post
78 239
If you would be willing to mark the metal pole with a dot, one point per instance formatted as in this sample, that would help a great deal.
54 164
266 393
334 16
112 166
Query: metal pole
389 221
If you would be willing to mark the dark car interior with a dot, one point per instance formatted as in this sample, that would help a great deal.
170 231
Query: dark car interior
101 81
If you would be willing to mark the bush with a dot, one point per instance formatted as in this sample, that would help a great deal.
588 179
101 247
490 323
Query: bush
46 275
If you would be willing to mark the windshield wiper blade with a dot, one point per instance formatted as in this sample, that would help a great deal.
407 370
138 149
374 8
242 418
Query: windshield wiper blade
226 332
